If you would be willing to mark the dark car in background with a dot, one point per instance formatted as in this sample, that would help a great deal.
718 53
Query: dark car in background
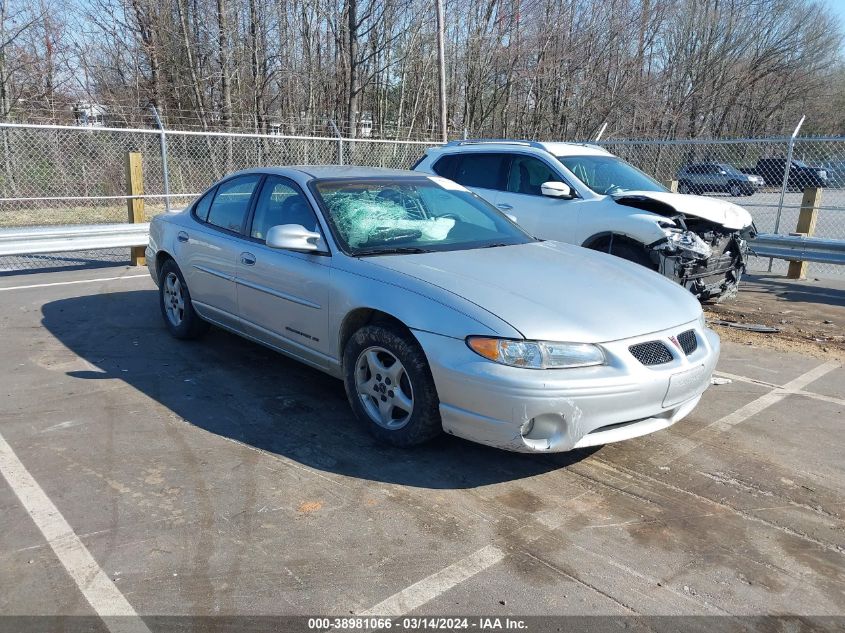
801 175
835 173
722 177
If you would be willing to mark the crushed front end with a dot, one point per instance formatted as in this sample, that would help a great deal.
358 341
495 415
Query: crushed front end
704 257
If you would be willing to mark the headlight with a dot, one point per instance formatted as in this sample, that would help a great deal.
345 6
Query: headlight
536 354
686 243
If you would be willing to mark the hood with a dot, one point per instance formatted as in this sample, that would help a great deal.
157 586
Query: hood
729 215
555 292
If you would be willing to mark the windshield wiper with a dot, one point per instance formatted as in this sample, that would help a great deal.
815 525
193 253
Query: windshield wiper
496 245
398 250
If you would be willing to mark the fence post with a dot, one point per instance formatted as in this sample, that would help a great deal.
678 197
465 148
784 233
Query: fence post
162 139
135 202
807 217
339 142
785 183
672 185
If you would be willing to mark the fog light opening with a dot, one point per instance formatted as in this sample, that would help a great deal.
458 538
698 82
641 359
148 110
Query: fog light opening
547 427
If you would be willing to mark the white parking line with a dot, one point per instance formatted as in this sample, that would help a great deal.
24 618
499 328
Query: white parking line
77 281
684 446
796 392
438 583
98 589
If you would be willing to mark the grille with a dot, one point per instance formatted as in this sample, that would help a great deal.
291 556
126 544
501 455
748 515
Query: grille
651 353
688 341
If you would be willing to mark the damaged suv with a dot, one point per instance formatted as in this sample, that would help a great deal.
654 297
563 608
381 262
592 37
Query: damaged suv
584 195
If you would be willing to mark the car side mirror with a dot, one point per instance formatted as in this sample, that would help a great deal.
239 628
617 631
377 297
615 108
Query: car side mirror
556 190
292 237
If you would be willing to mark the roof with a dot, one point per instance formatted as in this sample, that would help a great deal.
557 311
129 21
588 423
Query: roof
553 147
327 171
575 149
351 171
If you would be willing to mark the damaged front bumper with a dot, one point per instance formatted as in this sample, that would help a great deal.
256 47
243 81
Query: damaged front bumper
709 264
557 410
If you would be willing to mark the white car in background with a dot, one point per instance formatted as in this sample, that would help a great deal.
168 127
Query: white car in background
584 195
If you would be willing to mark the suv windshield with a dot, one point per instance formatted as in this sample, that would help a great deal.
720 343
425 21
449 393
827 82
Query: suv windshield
607 175
377 216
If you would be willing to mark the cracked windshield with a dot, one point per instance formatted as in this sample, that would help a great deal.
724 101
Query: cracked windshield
375 217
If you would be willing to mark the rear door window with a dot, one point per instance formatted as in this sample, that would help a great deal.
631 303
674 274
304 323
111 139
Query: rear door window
204 204
485 171
231 203
445 166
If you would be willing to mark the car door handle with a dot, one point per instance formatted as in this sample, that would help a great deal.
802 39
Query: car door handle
182 236
505 207
248 259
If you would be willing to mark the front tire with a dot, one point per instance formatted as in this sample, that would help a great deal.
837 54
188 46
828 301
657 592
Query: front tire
631 252
181 319
389 386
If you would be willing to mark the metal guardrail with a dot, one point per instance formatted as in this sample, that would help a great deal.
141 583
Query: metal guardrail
64 239
799 248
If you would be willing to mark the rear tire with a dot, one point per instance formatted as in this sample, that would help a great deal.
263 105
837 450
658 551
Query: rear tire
389 386
181 319
735 190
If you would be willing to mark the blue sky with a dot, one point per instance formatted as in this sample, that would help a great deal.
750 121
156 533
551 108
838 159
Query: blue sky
838 7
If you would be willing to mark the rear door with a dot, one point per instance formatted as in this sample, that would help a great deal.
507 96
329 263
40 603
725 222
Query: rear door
283 296
207 252
481 172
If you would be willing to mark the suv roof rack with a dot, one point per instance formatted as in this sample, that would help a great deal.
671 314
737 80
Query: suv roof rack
496 141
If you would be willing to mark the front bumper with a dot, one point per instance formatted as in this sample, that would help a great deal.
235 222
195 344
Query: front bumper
716 277
565 409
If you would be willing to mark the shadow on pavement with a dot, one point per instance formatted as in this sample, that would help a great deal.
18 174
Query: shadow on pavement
825 291
240 390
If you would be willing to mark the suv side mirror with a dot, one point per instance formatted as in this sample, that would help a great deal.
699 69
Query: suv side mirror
556 190
292 237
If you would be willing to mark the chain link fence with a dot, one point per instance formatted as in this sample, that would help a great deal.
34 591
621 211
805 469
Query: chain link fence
76 175
753 174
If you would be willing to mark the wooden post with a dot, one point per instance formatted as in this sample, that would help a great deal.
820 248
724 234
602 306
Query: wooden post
135 205
672 185
807 217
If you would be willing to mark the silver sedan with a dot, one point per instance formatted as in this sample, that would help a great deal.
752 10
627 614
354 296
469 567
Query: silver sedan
437 311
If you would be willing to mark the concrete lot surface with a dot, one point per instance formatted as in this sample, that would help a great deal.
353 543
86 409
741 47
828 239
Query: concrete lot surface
144 475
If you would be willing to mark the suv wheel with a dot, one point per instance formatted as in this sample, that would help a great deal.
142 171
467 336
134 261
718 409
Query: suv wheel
735 190
390 387
632 252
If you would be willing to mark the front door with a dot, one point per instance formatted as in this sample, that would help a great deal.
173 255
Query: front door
542 216
283 296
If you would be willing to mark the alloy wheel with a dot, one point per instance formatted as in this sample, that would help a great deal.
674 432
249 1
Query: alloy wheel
174 300
384 387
